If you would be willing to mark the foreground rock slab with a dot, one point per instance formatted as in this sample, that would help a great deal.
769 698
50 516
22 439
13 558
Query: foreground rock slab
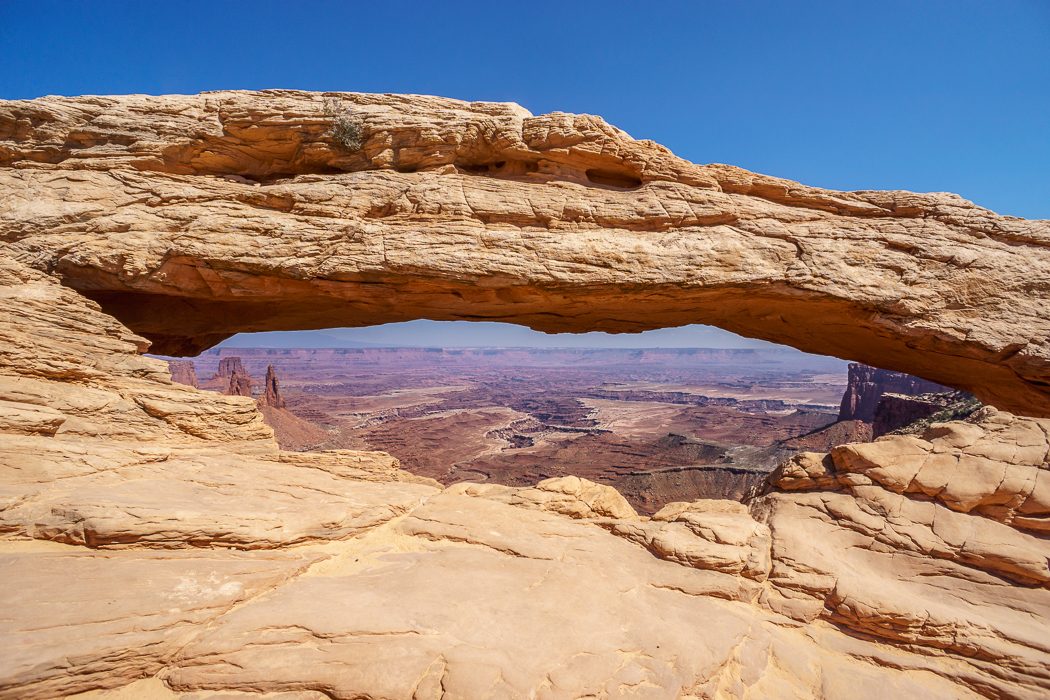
445 608
75 620
203 498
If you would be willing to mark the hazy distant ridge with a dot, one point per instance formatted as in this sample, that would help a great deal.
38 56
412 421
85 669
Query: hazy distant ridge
510 356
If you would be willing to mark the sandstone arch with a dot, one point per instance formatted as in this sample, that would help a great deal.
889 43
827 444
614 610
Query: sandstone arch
908 567
231 211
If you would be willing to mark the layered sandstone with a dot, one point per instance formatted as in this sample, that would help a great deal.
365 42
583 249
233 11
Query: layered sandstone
183 372
865 387
209 563
272 389
240 384
232 378
290 431
241 211
229 366
903 413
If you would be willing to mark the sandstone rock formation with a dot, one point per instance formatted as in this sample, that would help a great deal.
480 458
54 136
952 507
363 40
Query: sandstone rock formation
903 413
272 389
838 433
232 378
290 431
183 372
239 211
208 563
229 366
866 385
240 384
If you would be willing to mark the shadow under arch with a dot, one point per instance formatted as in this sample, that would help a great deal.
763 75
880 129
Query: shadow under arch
187 323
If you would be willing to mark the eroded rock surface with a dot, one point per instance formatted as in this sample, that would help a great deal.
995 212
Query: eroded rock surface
229 366
865 387
124 616
101 447
191 218
900 413
155 542
272 390
183 372
915 566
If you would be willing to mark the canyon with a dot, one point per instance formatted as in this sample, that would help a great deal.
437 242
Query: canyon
659 425
211 563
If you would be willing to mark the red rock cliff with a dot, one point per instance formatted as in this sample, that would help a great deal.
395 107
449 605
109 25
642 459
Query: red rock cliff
183 372
866 386
272 392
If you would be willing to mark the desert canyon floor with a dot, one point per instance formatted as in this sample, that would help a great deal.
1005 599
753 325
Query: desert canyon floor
157 542
659 425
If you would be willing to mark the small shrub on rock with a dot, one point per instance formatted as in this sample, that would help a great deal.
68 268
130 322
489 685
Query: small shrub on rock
346 129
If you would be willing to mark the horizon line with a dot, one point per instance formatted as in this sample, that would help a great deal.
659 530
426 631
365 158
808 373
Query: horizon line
490 347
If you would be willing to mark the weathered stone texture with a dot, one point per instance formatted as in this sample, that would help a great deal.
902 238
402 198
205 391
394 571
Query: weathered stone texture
272 390
238 211
183 372
865 387
155 542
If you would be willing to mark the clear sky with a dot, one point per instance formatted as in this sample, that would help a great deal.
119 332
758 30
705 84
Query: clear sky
925 95
480 333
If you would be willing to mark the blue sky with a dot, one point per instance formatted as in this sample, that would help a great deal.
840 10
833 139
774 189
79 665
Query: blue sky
925 95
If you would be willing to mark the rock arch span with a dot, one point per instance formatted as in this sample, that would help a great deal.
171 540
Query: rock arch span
194 217
234 211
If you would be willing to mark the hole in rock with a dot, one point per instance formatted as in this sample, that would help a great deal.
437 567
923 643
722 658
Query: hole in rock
612 178
499 168
667 415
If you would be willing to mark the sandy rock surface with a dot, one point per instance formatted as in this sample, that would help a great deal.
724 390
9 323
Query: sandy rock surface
76 619
156 543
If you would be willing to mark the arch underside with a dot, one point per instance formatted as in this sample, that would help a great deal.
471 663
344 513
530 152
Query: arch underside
779 314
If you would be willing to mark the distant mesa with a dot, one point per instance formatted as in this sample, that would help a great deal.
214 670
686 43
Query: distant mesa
880 402
240 384
866 386
183 372
912 414
232 378
237 380
228 366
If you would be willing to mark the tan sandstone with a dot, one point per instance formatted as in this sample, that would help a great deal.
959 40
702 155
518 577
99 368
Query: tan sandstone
156 543
191 218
